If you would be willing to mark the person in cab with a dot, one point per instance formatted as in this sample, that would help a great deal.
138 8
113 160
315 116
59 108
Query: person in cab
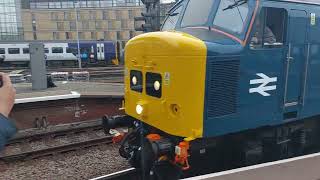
267 36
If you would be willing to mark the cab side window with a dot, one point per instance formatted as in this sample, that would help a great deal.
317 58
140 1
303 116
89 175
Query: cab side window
269 29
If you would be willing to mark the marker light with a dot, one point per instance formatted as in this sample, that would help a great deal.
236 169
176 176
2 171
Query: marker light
134 80
156 85
139 109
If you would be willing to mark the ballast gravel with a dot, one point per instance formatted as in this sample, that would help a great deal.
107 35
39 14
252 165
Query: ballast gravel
83 164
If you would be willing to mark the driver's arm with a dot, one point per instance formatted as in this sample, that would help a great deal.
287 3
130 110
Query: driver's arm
7 97
269 37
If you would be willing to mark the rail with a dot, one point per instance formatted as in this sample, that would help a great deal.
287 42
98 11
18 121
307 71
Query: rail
57 149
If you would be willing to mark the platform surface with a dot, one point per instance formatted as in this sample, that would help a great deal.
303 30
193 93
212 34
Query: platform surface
85 89
300 168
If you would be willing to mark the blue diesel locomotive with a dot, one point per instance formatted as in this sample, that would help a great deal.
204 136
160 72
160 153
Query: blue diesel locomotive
236 77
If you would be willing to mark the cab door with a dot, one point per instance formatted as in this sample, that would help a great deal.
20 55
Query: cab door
296 56
262 67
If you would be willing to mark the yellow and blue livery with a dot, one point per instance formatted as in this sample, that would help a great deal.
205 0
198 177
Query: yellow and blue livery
239 75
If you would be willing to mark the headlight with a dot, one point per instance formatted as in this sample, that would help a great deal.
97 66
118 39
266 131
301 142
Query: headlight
134 80
139 109
156 85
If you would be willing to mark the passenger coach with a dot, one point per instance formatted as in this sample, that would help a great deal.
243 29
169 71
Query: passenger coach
62 53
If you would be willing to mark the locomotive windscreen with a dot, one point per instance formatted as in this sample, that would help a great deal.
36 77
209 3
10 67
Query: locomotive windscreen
229 16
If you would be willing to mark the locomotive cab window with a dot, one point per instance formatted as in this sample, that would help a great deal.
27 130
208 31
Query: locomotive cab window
232 20
200 18
172 19
269 29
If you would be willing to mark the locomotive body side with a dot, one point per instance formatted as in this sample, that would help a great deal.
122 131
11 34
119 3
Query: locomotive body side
245 88
266 86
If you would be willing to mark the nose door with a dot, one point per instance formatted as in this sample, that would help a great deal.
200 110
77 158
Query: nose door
296 57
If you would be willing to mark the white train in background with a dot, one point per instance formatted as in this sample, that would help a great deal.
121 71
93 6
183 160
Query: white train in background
91 52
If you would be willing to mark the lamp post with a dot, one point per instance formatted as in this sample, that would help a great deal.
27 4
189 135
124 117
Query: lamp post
76 4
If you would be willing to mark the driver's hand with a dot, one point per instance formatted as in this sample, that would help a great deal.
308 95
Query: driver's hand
7 95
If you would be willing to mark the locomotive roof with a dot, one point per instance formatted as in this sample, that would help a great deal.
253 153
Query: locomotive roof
317 2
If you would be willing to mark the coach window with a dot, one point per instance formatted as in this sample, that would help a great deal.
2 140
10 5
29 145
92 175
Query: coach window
14 51
57 50
2 51
269 29
25 50
46 50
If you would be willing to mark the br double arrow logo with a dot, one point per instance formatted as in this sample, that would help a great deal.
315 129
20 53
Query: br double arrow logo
264 82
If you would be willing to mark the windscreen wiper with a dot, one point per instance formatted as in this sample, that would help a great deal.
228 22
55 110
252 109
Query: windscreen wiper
172 14
236 4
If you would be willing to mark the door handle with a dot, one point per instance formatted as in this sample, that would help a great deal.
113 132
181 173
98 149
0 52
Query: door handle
289 57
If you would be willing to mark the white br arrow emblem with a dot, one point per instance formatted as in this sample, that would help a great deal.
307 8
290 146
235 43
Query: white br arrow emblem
264 81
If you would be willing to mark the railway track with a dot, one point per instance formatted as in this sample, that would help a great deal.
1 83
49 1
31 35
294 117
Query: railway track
57 149
93 133
72 129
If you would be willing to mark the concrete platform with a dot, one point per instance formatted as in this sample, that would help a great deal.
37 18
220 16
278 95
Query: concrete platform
300 168
71 95
69 102
85 89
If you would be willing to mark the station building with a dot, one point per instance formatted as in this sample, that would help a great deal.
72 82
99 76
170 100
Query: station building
96 19
10 20
49 20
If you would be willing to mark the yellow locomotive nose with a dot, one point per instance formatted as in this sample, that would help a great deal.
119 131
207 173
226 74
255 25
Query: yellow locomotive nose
165 82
